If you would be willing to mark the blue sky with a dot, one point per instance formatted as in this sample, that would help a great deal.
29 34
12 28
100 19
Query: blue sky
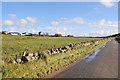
77 18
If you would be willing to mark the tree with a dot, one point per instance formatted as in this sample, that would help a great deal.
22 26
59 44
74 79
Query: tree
39 33
58 35
43 34
47 34
70 36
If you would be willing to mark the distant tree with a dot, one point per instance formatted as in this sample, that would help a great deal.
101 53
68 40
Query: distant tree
39 33
70 36
47 34
58 35
43 34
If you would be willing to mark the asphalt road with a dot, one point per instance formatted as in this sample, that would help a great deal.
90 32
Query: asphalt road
103 63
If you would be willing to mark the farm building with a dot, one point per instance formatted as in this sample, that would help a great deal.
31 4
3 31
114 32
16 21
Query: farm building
4 32
25 33
14 33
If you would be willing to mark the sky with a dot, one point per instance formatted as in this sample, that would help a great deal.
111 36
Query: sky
66 18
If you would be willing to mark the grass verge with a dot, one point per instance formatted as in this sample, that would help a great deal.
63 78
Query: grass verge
39 68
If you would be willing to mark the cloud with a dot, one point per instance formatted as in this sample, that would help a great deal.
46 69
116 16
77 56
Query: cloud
74 20
66 31
54 23
103 33
104 24
107 3
78 20
7 23
11 16
62 18
22 23
64 21
52 30
13 21
32 20
33 31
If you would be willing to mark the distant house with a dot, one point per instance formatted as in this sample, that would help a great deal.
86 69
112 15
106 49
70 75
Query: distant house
25 33
14 33
4 32
35 35
29 34
70 36
58 35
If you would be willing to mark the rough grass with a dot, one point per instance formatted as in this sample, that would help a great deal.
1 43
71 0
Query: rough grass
39 68
12 45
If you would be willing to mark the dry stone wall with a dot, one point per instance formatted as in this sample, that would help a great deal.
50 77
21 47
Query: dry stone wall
26 57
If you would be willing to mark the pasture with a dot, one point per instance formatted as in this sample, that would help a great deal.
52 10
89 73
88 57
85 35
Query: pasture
14 45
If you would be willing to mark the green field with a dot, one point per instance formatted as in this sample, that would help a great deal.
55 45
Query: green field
12 45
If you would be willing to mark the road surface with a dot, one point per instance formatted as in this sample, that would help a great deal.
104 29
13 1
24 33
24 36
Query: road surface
102 64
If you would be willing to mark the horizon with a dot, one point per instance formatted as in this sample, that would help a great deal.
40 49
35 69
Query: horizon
42 33
66 18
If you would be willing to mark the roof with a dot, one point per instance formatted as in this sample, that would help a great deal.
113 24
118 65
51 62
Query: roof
15 32
4 31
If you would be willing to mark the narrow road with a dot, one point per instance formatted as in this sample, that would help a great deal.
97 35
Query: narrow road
102 64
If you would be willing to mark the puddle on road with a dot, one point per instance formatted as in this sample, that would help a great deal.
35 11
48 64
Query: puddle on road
92 55
88 58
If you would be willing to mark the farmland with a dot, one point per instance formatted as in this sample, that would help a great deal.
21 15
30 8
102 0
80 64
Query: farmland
14 45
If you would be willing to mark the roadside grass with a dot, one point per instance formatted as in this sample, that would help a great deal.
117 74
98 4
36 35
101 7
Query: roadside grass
0 66
14 45
0 75
39 68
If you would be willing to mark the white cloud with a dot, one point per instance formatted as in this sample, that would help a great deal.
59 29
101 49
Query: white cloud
32 20
104 24
52 30
11 16
10 21
7 23
13 21
109 22
64 21
68 22
22 23
78 20
54 23
62 18
107 3
64 31
103 33
75 20
33 31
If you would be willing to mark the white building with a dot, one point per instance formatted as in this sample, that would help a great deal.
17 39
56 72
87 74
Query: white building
14 33
25 33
